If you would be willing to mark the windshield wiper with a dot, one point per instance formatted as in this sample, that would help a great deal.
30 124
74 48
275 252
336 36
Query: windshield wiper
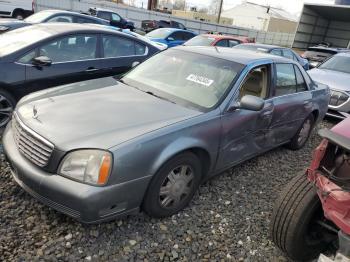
153 94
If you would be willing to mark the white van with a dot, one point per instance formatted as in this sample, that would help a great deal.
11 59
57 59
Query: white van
16 8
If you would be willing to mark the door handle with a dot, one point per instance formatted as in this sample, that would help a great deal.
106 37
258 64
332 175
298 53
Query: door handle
91 70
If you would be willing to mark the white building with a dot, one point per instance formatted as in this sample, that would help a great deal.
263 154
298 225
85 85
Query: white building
259 17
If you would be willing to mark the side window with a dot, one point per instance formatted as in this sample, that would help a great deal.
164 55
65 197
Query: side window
288 54
115 46
27 59
177 36
72 48
116 17
277 52
187 36
140 49
301 85
223 43
232 43
181 26
104 15
285 82
61 19
84 20
256 83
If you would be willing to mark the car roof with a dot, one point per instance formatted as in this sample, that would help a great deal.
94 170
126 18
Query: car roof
176 29
218 37
56 28
335 49
235 55
56 11
264 46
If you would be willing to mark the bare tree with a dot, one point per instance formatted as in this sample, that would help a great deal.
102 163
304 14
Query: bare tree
179 5
214 7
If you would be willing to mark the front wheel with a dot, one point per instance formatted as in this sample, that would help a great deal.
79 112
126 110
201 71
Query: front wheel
296 221
7 105
173 187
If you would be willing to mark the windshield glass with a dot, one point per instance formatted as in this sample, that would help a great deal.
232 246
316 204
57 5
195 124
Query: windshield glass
17 39
200 41
187 78
38 17
159 33
337 63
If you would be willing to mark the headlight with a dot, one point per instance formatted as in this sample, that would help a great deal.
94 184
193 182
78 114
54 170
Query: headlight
4 28
88 166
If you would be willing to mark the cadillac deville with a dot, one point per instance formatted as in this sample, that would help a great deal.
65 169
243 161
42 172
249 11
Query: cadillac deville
103 148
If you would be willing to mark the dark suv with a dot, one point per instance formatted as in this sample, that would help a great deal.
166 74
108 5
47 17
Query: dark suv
114 18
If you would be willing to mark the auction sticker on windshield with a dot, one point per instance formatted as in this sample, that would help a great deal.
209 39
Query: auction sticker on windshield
200 80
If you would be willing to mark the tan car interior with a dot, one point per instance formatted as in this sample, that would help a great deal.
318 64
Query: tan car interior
255 83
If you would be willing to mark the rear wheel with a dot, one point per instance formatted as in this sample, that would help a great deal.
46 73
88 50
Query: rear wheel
303 134
296 221
173 187
18 14
7 105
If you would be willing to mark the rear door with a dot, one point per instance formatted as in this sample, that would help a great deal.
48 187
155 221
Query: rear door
74 58
292 103
119 53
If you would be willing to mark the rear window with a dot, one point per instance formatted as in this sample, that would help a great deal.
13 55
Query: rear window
200 41
318 52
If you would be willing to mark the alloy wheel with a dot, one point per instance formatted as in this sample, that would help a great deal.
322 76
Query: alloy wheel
6 110
304 132
176 186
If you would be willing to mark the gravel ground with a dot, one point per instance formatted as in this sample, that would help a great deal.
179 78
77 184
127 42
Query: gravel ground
227 220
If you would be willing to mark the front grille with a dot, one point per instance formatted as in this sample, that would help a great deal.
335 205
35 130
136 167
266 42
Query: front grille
35 148
338 98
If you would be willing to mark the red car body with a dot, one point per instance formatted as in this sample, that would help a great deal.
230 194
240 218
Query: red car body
335 199
219 40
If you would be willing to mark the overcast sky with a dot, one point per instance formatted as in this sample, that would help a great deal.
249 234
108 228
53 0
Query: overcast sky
292 6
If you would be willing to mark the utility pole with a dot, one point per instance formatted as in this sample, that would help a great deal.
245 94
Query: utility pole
220 10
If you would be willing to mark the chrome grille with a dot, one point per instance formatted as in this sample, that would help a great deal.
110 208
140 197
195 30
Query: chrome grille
338 98
35 148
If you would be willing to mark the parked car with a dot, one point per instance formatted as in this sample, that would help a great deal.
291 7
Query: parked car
335 72
112 17
218 40
276 50
49 16
46 55
317 54
170 36
312 212
104 148
160 46
150 25
18 9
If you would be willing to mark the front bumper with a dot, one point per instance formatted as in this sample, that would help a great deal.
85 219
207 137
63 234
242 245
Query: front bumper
339 105
86 203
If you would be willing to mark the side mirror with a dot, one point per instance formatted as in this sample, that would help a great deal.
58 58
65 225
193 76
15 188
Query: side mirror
170 39
42 61
252 103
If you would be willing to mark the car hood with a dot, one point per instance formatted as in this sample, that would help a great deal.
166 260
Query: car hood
98 113
334 79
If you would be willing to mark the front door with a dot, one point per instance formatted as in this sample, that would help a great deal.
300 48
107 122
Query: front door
244 131
73 59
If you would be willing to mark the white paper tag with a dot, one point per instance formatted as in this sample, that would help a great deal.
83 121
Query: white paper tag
200 80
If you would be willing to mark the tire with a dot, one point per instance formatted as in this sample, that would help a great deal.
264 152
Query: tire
298 142
18 14
153 200
293 226
7 105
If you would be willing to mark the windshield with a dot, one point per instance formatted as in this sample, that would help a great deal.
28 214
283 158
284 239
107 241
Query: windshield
200 41
38 17
252 48
187 78
337 63
17 39
159 33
